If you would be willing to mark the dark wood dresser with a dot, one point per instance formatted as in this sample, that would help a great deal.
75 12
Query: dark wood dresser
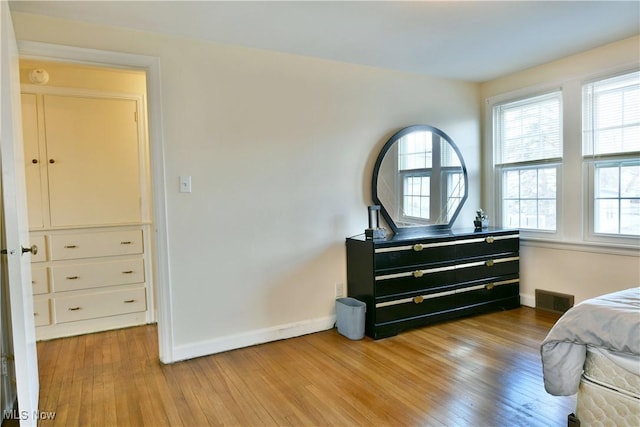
410 280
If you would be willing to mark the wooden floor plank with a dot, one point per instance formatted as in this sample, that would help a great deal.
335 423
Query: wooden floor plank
477 371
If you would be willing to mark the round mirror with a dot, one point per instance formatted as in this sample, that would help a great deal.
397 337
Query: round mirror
419 179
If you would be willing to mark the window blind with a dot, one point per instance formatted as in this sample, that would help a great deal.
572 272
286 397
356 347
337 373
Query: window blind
529 130
611 115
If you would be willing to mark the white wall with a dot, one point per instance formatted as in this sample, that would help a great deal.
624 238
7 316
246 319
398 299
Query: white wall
280 149
568 265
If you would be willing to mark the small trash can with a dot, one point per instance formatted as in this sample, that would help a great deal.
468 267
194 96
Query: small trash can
350 315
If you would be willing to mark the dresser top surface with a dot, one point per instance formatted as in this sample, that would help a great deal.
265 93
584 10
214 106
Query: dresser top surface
436 234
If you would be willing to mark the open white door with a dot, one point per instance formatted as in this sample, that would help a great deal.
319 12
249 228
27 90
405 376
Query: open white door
16 236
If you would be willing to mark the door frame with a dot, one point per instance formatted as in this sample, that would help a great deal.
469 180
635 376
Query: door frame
151 65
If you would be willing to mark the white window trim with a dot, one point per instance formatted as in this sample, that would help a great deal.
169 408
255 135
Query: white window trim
494 170
589 233
575 237
588 179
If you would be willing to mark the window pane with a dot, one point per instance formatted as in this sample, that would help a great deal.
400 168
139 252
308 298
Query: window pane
529 184
530 201
630 181
511 213
607 184
547 183
630 217
606 220
415 151
611 115
416 196
528 214
511 186
617 198
547 215
529 129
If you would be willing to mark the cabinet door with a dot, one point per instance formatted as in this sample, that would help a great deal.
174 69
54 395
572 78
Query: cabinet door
93 160
33 171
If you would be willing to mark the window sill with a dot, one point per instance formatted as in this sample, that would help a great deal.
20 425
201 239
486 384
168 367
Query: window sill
593 247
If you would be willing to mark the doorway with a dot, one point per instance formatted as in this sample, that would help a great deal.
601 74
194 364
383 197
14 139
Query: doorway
158 229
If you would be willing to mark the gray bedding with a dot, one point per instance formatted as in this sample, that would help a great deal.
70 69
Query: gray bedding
610 321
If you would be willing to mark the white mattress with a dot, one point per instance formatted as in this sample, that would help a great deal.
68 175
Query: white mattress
609 392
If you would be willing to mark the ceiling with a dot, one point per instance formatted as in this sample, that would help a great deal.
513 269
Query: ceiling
467 40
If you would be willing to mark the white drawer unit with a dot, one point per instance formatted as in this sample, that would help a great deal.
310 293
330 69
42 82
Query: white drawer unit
95 244
87 275
39 280
41 311
99 304
91 279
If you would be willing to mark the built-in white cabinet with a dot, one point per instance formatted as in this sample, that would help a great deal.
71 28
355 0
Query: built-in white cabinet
90 279
86 185
82 160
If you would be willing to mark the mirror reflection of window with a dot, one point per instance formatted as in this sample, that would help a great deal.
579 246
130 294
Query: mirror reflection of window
415 158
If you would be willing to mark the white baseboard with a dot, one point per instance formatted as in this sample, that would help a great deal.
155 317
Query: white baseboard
246 339
528 300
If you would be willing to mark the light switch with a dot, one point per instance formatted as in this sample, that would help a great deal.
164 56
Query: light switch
185 184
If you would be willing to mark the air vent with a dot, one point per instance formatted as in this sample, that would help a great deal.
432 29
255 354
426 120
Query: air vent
553 301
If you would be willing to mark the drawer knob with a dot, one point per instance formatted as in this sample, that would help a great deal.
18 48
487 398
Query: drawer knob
72 277
74 308
34 161
70 246
418 273
128 272
129 301
489 239
418 299
127 242
418 247
489 286
489 263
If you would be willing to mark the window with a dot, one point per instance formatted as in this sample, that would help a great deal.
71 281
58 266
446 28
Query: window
528 147
415 158
611 154
432 184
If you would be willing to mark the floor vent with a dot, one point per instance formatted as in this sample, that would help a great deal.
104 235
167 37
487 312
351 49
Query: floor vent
553 301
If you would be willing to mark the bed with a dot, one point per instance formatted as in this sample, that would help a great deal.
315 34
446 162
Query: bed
593 351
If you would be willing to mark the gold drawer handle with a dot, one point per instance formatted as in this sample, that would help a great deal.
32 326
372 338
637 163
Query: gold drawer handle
74 308
489 286
418 299
129 301
489 263
70 246
72 277
418 273
418 247
489 239
128 272
126 242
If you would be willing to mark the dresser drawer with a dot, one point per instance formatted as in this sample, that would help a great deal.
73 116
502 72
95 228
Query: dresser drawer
40 242
440 304
97 274
41 311
392 285
489 270
489 245
89 245
39 280
99 304
414 254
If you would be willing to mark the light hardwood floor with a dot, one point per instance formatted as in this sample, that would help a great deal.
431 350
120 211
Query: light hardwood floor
477 371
